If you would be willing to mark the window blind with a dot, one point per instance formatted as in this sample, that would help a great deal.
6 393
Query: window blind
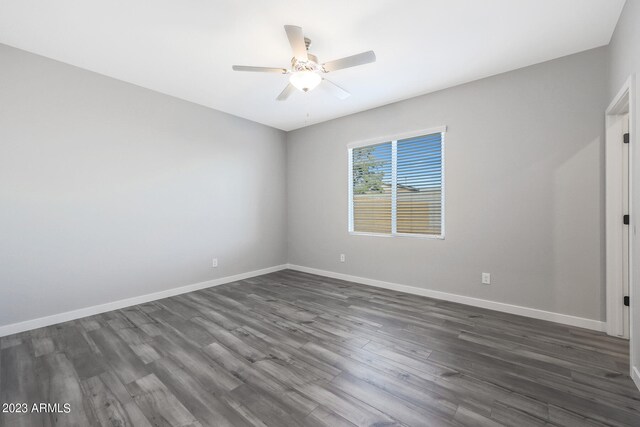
419 185
396 187
371 188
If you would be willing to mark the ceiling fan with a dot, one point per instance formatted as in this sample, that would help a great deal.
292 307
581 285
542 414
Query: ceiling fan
306 72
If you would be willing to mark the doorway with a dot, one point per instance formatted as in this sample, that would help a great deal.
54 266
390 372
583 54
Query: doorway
622 163
618 225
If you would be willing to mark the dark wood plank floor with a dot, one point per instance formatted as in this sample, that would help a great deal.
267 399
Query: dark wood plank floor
294 349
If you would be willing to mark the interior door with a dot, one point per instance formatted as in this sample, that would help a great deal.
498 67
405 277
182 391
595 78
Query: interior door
634 259
627 228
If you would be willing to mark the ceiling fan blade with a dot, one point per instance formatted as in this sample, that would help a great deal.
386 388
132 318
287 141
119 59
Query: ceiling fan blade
350 61
260 69
296 40
288 90
335 90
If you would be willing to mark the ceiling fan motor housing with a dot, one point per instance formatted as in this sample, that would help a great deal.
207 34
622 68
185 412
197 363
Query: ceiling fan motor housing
311 64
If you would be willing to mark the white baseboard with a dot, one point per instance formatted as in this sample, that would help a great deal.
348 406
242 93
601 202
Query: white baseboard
566 319
27 325
635 376
581 322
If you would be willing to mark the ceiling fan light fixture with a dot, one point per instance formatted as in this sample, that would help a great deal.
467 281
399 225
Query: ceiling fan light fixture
305 80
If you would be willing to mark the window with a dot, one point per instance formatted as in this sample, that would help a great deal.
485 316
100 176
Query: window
396 186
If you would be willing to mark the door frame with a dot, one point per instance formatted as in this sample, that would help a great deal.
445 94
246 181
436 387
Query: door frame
622 103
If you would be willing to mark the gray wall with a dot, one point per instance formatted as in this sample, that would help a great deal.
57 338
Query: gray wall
624 59
624 49
524 190
109 191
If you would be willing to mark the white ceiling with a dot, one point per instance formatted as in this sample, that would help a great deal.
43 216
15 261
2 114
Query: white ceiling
186 48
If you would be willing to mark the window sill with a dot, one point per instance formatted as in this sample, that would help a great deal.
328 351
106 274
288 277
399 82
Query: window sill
410 236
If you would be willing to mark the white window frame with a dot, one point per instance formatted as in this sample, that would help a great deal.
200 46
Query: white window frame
394 148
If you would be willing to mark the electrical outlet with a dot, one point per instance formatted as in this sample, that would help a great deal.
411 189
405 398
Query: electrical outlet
214 264
486 278
342 258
